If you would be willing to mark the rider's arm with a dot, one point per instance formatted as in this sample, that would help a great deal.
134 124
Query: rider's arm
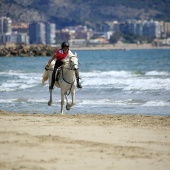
51 59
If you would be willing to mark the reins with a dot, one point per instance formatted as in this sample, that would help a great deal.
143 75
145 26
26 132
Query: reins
71 68
62 68
67 81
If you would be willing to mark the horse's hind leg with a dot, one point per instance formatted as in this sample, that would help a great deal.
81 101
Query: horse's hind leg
50 101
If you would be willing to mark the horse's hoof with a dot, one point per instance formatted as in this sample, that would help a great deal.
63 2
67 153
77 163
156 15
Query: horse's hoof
49 103
68 108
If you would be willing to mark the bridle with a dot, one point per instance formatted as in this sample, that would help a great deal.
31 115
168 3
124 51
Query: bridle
71 66
63 67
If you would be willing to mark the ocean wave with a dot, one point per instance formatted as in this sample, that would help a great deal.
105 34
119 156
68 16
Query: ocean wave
157 103
125 74
128 83
126 102
106 74
157 73
103 102
125 80
17 80
23 100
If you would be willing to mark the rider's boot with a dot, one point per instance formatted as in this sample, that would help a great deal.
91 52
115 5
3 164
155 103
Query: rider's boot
78 83
53 80
52 86
77 77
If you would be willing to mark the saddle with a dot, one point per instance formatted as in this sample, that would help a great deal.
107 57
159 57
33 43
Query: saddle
57 74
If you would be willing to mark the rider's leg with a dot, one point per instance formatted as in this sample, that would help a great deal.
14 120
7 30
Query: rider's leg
57 64
53 79
77 77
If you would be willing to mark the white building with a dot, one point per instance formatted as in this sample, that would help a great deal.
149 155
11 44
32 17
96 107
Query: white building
42 33
5 25
152 29
18 38
50 33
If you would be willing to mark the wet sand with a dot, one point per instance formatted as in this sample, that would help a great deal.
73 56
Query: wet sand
84 142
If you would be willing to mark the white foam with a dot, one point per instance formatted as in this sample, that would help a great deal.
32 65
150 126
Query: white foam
157 103
23 100
129 83
18 80
147 84
37 100
103 74
125 80
156 73
111 102
95 102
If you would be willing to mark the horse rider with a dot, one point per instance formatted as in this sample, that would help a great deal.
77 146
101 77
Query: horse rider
60 55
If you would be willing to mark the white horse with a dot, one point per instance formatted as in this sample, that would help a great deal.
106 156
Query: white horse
66 81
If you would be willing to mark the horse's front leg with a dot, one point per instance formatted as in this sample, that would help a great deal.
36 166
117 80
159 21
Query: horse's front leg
50 101
73 98
62 102
49 81
68 106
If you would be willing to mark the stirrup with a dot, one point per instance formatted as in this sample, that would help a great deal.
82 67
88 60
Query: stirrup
79 85
51 88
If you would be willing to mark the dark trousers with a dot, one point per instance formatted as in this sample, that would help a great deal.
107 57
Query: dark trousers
57 64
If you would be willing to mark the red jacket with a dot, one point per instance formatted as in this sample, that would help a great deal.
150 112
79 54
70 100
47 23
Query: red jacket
60 55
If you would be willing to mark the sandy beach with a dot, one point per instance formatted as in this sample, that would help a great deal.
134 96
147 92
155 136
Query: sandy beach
84 141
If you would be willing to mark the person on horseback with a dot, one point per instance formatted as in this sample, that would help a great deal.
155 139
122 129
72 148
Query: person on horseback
61 55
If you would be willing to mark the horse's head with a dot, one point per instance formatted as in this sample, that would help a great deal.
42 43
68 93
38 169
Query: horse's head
73 62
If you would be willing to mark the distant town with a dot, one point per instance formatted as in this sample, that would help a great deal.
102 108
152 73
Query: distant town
156 33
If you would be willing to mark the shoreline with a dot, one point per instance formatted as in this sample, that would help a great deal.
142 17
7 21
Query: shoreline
84 141
123 47
45 50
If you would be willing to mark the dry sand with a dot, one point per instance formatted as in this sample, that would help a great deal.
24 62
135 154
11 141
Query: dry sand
84 142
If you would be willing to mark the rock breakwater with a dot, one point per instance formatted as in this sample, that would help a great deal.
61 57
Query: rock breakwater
26 50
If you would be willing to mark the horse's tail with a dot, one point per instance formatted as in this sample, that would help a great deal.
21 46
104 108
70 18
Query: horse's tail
46 72
45 76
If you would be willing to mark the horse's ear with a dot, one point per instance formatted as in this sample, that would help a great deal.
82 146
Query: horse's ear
75 54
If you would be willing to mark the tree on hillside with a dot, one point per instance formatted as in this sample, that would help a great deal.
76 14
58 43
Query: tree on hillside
115 37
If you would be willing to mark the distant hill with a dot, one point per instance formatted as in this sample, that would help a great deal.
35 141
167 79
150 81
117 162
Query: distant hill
89 12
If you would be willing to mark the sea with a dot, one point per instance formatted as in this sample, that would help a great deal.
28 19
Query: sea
114 82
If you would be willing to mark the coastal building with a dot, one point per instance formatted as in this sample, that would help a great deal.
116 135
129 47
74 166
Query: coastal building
78 43
5 25
8 36
42 33
20 27
14 37
79 32
152 29
115 26
139 28
165 29
37 33
32 32
50 33
61 35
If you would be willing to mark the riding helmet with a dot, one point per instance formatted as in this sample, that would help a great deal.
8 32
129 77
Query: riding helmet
65 44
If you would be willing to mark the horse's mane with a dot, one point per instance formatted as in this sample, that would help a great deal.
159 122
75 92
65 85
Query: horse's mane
66 63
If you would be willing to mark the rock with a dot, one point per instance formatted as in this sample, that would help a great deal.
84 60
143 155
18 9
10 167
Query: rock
25 50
